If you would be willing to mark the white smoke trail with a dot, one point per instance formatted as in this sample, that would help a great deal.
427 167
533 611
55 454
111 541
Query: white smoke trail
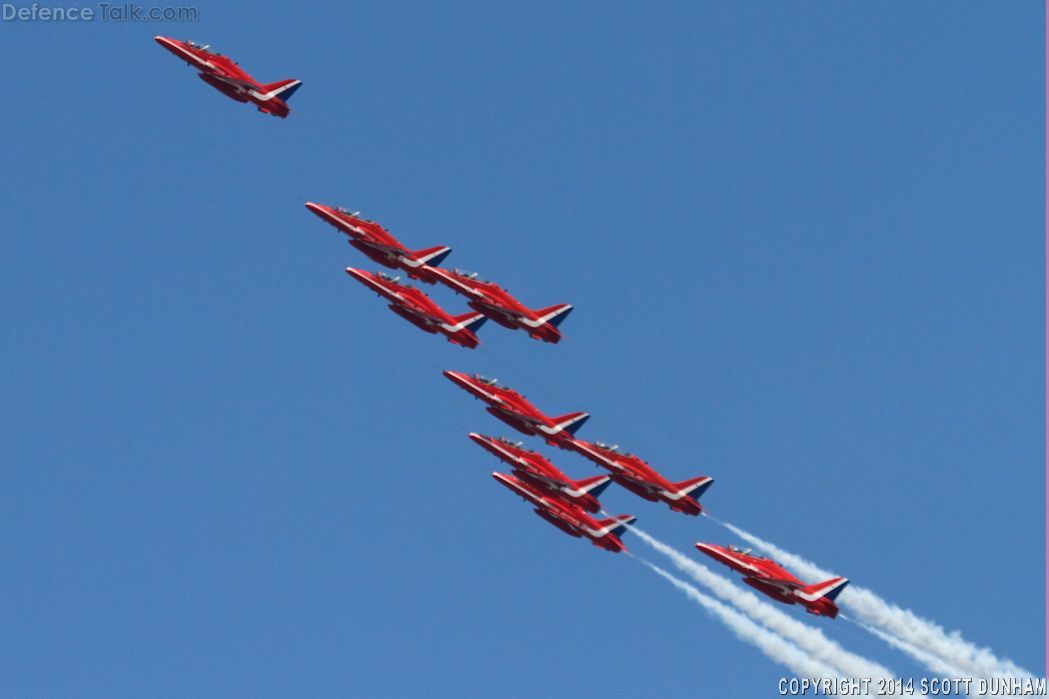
933 662
809 639
775 647
916 632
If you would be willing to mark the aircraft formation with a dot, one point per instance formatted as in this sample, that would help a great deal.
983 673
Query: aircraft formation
570 505
489 300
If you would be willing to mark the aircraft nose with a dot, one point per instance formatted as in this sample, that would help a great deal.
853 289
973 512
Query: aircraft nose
358 274
459 379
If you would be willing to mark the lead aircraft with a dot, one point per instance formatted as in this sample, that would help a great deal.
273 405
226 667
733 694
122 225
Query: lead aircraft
223 74
569 517
514 409
420 310
377 243
770 578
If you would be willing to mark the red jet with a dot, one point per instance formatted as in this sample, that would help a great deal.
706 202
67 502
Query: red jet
537 471
496 303
570 518
223 74
513 409
418 309
638 477
767 576
376 242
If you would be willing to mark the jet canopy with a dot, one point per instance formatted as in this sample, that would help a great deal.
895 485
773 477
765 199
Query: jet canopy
485 380
742 552
471 275
354 214
613 448
389 277
195 45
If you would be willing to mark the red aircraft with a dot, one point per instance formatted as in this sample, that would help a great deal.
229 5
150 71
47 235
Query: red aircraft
223 74
496 303
537 471
767 576
570 518
376 242
513 409
638 477
418 309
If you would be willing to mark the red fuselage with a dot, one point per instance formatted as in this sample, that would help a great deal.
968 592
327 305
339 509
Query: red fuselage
497 303
515 410
632 473
377 243
569 518
770 578
419 309
223 73
538 472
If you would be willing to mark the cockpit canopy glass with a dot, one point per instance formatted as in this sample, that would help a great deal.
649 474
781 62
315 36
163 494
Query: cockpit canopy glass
485 380
613 448
389 277
471 275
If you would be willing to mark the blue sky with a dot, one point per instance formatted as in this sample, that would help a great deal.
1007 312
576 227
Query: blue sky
805 244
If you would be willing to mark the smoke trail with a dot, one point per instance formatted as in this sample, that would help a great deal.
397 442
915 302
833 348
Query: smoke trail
776 648
917 633
807 638
933 662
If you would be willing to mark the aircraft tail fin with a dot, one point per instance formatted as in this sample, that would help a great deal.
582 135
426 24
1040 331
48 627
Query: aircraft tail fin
571 421
283 89
694 487
554 314
467 321
471 321
432 256
828 588
617 526
594 485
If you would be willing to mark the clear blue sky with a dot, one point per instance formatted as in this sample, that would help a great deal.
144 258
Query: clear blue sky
805 243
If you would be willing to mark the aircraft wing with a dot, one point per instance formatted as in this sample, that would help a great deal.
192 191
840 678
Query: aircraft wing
234 82
642 484
505 313
535 475
785 585
408 307
384 248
